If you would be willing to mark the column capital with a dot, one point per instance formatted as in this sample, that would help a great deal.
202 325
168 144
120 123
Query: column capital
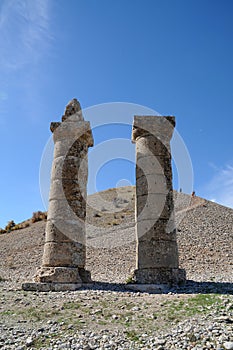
158 126
72 131
73 126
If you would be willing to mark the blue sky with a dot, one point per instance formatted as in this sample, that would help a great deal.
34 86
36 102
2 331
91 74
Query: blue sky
172 56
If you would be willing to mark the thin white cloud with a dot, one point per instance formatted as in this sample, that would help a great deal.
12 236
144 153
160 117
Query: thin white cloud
25 32
221 186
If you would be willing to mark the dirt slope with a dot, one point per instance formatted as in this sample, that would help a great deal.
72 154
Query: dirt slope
205 238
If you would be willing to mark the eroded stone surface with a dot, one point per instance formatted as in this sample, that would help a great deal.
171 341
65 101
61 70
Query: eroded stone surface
73 108
153 184
167 276
58 275
152 164
157 251
160 253
154 206
65 240
160 230
61 254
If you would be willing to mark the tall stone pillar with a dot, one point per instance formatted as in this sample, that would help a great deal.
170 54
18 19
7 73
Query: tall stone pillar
157 252
63 264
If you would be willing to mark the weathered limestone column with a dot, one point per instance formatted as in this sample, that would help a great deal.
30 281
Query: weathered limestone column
63 264
157 253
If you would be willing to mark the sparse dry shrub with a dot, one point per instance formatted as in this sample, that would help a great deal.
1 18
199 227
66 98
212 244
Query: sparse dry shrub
2 231
10 226
39 216
20 226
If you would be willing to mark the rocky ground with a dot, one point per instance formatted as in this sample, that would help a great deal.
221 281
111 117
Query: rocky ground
105 319
198 316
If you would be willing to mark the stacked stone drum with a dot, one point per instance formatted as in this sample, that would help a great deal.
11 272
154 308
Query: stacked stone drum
65 239
157 252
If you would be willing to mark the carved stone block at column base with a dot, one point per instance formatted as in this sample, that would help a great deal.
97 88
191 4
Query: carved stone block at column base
63 275
166 276
54 287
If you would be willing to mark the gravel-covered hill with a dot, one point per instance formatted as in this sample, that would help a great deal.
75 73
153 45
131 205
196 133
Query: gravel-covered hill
205 238
107 316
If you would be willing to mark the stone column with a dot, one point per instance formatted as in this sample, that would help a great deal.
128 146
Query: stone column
157 252
63 264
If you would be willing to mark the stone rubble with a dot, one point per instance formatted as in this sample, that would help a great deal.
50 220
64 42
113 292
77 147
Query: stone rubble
211 330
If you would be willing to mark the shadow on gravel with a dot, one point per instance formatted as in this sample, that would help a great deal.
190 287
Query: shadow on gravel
191 287
206 288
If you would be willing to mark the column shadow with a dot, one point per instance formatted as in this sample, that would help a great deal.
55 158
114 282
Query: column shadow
191 287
